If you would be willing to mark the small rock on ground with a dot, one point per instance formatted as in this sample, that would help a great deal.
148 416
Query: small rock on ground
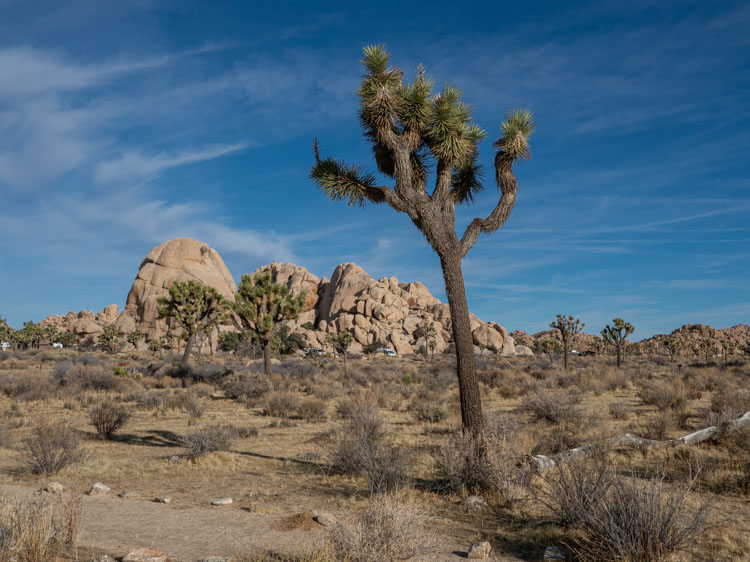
128 495
217 559
554 554
98 489
480 551
103 558
144 555
164 499
325 519
222 501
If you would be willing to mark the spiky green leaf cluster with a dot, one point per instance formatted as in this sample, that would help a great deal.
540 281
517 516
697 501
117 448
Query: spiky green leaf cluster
261 304
341 182
568 326
193 306
515 130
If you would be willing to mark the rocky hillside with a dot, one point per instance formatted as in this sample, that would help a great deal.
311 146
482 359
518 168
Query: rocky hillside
382 310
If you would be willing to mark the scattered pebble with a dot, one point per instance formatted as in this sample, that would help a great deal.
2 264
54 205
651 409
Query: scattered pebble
475 503
128 495
144 555
222 501
164 499
554 554
480 551
54 488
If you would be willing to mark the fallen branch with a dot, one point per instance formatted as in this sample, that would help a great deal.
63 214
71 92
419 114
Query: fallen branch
544 463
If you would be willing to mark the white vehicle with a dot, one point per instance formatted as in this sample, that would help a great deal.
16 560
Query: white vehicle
316 352
57 346
388 352
4 345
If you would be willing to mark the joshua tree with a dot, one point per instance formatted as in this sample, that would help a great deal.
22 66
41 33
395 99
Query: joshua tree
413 133
547 346
340 342
568 328
261 304
616 334
5 330
708 347
135 336
427 332
727 348
193 307
673 346
109 338
67 339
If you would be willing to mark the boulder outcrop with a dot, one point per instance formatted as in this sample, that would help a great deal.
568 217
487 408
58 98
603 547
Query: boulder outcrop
181 259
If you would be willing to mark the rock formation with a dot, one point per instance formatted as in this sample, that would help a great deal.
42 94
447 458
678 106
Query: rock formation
85 325
181 259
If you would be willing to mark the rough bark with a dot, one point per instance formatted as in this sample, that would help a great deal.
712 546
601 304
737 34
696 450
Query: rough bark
188 348
471 399
267 357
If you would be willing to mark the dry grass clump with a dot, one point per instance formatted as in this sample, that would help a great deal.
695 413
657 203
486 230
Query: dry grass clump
245 386
428 410
50 448
313 410
208 440
616 518
555 407
619 411
386 530
663 395
281 404
108 417
361 447
38 530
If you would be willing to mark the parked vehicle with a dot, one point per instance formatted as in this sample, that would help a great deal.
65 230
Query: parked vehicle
57 346
5 345
316 352
388 352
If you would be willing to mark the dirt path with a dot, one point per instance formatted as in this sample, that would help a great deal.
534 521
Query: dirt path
115 525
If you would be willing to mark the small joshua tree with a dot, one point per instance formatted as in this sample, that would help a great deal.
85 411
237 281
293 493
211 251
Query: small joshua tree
568 327
110 338
261 304
340 342
708 348
673 346
135 336
615 335
427 332
547 346
193 307
727 348
416 135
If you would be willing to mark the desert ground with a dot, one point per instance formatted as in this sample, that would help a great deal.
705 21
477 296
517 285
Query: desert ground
328 438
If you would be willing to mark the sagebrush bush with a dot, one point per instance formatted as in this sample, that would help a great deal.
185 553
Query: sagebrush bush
662 394
281 404
208 440
50 448
245 386
428 411
619 411
386 530
554 407
313 410
107 417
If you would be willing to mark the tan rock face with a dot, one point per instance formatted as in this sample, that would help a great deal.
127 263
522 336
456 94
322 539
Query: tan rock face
85 324
181 259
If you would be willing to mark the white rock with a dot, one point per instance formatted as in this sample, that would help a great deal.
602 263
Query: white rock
480 551
222 501
98 489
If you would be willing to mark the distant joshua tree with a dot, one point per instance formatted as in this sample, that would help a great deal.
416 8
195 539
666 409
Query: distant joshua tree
135 336
673 346
616 334
568 327
708 348
414 133
110 338
261 304
341 342
427 331
547 346
193 307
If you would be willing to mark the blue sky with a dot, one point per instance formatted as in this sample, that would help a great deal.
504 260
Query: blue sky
124 124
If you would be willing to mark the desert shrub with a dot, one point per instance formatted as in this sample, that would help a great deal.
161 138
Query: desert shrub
85 374
208 440
312 410
619 411
361 448
38 530
107 417
554 407
386 530
428 411
245 386
152 399
246 432
616 380
27 387
281 404
660 426
193 406
662 394
638 521
207 372
731 402
50 448
501 473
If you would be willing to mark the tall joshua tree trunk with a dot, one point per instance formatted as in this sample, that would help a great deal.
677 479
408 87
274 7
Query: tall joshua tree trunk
188 348
471 400
267 357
